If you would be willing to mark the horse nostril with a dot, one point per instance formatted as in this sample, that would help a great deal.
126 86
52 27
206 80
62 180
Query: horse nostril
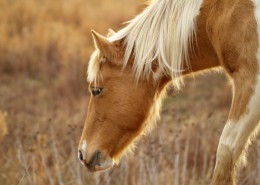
80 155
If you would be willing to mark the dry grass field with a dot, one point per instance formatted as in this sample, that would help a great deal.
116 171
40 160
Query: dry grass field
44 50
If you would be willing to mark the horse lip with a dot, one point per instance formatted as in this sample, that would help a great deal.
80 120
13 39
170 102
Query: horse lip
95 160
98 164
104 165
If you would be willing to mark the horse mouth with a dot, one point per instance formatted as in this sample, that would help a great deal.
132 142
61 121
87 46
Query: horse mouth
99 163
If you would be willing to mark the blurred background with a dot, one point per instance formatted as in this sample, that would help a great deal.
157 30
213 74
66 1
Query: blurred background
44 50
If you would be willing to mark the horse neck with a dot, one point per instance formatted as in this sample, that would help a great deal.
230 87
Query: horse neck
202 54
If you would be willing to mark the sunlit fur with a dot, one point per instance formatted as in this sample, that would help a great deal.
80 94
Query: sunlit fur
163 32
148 125
135 65
99 65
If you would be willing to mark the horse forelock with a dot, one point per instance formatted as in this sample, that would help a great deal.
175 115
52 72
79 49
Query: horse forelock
93 67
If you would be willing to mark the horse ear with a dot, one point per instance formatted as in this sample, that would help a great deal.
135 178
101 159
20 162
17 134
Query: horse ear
102 43
110 33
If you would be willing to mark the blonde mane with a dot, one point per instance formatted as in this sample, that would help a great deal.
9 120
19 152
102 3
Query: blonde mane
163 32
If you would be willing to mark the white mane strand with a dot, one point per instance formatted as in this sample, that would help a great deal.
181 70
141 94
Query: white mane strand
162 32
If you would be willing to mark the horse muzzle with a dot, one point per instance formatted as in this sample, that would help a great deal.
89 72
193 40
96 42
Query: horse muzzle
98 161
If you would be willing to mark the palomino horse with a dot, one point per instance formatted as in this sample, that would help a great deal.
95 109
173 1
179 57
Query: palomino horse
171 39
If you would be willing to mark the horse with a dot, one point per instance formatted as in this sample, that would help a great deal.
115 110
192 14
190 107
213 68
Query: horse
130 70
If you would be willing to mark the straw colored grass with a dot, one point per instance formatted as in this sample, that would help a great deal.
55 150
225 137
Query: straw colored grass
44 49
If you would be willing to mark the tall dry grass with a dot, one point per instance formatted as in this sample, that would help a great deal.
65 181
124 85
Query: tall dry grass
44 49
47 40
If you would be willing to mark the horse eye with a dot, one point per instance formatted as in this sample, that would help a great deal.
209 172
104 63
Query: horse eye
96 91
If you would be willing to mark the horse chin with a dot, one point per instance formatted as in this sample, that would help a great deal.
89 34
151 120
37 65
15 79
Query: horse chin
104 165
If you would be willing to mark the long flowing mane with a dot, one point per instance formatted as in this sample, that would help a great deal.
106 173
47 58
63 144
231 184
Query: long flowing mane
163 32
